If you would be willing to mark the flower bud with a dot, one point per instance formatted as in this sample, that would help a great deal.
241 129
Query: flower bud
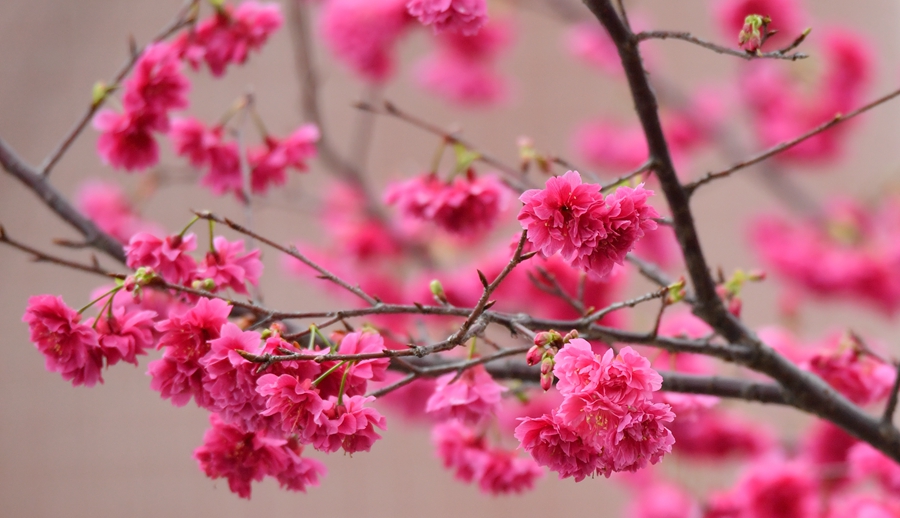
551 338
204 284
547 364
571 335
437 289
534 355
754 32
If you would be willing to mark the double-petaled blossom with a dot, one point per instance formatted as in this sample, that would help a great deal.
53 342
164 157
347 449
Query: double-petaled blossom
573 219
125 333
464 16
230 35
295 401
861 377
470 397
269 162
242 457
230 267
126 140
716 435
69 347
362 34
345 423
168 257
662 500
468 206
185 338
607 421
773 488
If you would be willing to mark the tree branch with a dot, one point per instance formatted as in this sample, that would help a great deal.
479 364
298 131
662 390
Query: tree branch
38 184
719 49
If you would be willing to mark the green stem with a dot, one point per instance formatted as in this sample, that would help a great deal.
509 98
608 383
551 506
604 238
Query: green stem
189 225
212 227
326 373
98 299
438 155
340 400
331 347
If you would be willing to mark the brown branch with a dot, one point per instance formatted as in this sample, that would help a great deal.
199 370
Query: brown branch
803 389
778 148
719 49
39 256
513 176
38 184
888 416
185 17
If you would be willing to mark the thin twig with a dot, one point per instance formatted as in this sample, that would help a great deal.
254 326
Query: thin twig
778 148
719 49
293 252
184 18
39 256
646 166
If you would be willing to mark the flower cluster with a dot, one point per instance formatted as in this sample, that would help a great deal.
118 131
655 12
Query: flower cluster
607 421
588 231
157 86
207 148
467 207
107 206
229 35
496 471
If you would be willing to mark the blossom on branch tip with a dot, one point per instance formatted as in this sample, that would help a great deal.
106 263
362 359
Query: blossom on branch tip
124 335
229 267
157 84
345 423
555 446
126 140
168 257
470 397
69 347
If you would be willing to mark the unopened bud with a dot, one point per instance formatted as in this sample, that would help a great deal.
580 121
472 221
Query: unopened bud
756 275
204 284
437 289
754 32
734 306
571 335
551 338
547 364
534 355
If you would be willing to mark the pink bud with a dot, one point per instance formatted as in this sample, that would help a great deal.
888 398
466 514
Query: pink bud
571 335
534 355
547 365
551 338
546 381
734 306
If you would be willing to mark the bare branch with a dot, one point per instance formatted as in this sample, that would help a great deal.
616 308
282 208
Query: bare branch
719 49
778 148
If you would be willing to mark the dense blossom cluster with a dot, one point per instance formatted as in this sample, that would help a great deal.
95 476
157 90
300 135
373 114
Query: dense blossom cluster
607 420
589 231
464 16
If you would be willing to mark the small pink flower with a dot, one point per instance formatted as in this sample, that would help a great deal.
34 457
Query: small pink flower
295 401
107 205
553 445
241 457
178 375
577 367
466 207
786 16
349 426
640 437
505 473
465 16
230 35
626 378
126 335
230 267
362 34
715 435
157 84
462 80
168 257
471 398
775 488
268 163
460 449
860 377
126 140
69 347
627 217
193 140
362 343
565 217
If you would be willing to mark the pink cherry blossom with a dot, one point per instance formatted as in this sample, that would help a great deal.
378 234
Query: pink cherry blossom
69 347
461 80
467 207
230 35
167 257
485 46
640 437
126 140
464 16
107 205
361 343
470 397
857 375
362 34
577 367
229 267
662 500
124 335
460 449
241 457
553 445
296 402
774 488
157 84
716 435
192 139
348 425
505 473
627 378
178 375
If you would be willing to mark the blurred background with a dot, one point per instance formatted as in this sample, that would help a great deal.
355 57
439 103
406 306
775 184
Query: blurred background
120 450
